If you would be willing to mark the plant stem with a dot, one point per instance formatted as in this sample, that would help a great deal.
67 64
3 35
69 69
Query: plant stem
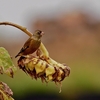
17 26
42 47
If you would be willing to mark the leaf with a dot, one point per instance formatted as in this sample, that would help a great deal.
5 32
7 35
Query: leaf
6 64
5 92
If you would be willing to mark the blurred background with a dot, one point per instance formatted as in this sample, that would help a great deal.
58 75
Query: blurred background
72 36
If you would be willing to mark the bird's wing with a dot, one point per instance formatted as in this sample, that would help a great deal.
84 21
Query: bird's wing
28 42
26 45
22 50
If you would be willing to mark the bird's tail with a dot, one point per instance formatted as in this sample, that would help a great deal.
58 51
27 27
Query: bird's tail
16 55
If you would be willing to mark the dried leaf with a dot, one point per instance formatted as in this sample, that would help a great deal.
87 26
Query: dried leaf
5 92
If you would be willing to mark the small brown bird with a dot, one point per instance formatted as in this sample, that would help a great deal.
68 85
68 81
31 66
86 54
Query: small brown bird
32 44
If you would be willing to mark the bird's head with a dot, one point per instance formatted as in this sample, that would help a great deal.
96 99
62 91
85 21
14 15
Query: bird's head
38 33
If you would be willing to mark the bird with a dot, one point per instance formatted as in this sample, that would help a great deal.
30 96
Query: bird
32 44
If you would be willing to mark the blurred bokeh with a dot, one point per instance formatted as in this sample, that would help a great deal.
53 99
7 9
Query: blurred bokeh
72 36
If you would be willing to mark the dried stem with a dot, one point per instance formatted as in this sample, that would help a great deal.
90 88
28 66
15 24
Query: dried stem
17 26
44 51
42 47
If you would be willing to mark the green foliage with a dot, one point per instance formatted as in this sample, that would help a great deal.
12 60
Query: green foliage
7 67
6 64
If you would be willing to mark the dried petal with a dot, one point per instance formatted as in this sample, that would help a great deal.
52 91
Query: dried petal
50 70
40 66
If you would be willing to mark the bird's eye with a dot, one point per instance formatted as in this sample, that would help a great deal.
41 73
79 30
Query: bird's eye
39 32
